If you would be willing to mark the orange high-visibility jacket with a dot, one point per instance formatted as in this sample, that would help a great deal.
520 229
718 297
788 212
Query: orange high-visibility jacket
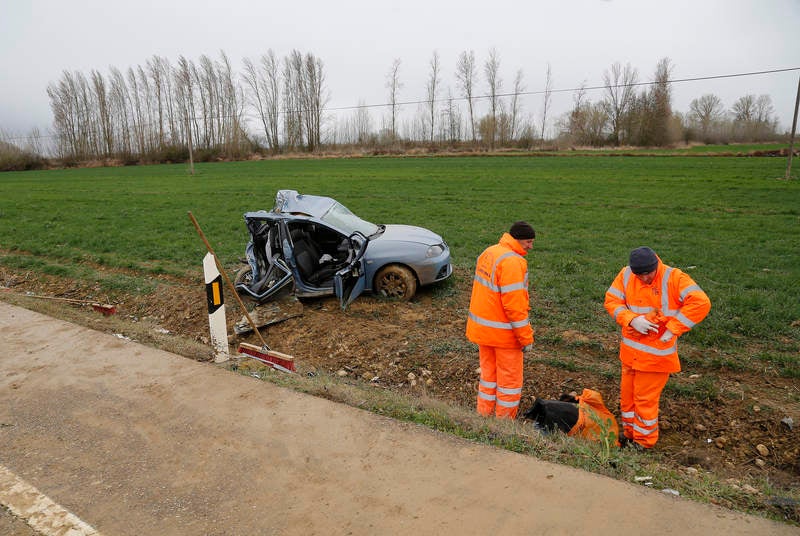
594 419
673 301
498 310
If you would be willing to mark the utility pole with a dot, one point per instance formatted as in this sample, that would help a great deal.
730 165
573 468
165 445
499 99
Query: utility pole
794 127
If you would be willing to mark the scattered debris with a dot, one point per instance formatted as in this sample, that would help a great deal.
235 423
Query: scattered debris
762 449
789 422
670 491
270 313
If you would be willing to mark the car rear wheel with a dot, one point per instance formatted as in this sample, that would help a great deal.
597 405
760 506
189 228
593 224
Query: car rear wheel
245 276
396 281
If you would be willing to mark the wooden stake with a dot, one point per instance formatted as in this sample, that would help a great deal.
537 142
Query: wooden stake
227 280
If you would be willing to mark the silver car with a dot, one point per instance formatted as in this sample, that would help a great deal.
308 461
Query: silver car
321 247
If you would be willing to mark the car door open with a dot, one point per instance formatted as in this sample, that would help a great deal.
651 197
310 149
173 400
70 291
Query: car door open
350 281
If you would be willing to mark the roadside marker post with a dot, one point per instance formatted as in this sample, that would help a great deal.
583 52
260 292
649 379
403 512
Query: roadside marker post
216 309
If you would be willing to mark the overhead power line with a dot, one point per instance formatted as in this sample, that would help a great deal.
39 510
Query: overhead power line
566 90
521 93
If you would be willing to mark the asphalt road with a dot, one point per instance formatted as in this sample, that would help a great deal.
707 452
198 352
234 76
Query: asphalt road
100 435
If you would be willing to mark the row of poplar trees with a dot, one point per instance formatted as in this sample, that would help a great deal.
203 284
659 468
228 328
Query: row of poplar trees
158 110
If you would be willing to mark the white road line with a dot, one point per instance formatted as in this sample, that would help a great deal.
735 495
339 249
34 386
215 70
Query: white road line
38 511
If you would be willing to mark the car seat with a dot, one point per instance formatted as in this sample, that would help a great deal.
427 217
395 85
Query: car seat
307 255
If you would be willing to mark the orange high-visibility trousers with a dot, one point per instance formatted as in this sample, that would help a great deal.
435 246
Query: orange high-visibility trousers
639 395
500 386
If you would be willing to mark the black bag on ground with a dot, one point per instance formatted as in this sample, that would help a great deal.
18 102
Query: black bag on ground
551 415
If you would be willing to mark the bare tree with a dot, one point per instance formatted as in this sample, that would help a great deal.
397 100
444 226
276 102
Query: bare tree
158 84
451 121
764 110
362 123
706 111
744 108
103 112
576 118
491 69
292 105
753 118
394 85
620 96
548 91
516 106
119 98
315 99
466 76
264 95
431 91
136 112
184 89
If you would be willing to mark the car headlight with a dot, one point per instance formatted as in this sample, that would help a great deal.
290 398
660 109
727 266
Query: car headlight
434 251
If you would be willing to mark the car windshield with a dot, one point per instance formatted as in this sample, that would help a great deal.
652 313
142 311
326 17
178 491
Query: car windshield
340 217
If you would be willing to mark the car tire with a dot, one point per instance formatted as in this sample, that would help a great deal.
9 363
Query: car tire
245 276
395 281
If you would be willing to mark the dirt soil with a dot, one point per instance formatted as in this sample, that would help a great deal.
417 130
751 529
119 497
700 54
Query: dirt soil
751 430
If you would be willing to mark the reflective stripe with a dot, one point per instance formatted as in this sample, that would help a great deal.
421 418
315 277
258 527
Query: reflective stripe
626 276
500 258
507 391
487 284
642 310
647 422
664 294
488 385
619 310
687 290
490 323
507 404
616 292
490 398
513 287
627 414
684 320
644 431
648 349
520 323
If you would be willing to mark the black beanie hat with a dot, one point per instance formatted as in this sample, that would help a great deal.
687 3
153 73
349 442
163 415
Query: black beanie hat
522 231
643 260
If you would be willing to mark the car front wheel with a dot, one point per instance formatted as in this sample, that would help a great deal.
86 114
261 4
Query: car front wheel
396 281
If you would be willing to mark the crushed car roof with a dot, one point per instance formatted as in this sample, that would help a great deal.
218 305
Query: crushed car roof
291 202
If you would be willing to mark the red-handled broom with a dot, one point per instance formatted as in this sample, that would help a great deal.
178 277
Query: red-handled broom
105 308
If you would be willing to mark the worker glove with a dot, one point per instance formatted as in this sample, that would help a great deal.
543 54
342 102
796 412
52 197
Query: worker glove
527 348
643 325
667 336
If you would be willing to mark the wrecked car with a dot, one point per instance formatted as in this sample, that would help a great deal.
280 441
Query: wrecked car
317 247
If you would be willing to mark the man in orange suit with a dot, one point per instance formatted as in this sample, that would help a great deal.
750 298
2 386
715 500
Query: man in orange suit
654 304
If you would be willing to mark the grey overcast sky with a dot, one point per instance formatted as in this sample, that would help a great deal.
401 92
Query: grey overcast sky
357 40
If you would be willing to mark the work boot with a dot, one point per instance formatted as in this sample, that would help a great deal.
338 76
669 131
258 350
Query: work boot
638 447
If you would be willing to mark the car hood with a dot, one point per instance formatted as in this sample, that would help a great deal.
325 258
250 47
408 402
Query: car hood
409 233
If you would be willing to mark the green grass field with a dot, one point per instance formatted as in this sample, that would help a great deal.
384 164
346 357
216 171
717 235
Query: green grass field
727 221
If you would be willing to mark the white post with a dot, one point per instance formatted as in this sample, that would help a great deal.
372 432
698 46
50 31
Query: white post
216 309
